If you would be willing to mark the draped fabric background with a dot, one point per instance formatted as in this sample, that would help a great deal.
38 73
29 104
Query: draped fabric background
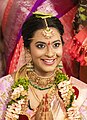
66 20
3 4
2 55
16 13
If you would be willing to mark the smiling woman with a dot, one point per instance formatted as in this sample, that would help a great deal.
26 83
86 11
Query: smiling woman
46 53
39 90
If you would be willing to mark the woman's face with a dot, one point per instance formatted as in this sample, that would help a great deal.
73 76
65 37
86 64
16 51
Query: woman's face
46 53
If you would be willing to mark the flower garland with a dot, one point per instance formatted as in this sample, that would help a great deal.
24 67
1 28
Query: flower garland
20 93
18 99
68 95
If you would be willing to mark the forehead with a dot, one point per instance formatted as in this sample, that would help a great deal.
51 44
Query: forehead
39 35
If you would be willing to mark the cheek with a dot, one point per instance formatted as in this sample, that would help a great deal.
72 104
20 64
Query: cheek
33 51
37 54
59 52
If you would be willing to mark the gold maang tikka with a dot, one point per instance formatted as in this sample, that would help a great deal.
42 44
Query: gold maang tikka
47 32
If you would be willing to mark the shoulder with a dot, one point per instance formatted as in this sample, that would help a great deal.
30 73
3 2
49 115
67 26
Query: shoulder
5 89
82 96
78 83
8 79
5 84
81 86
82 90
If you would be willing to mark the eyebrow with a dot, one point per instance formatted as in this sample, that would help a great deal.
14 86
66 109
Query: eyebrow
45 43
40 42
56 41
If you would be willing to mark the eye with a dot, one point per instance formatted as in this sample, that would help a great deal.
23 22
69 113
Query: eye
40 46
56 45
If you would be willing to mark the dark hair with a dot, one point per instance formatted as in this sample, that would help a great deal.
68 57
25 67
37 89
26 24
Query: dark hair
32 24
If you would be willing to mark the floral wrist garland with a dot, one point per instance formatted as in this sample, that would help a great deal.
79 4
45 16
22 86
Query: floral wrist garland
20 93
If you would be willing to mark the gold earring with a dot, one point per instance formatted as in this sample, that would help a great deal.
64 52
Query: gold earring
30 66
60 65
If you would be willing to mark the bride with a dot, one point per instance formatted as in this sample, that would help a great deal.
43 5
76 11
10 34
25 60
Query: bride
39 90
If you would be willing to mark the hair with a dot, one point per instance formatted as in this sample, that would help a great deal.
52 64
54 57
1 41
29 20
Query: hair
32 24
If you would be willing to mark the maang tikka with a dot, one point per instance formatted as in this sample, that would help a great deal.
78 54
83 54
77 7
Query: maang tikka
47 31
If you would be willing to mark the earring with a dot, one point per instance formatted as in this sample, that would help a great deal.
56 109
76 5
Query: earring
29 62
30 66
60 66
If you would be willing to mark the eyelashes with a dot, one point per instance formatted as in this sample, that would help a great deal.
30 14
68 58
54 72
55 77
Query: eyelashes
42 45
56 45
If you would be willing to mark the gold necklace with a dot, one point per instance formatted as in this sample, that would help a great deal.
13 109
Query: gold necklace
34 93
39 82
44 108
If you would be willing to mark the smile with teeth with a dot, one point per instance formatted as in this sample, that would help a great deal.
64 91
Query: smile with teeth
49 61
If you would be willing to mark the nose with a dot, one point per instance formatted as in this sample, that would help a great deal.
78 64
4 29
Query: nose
50 52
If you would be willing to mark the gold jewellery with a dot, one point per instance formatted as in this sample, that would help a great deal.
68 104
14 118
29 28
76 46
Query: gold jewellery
39 82
47 32
57 83
43 111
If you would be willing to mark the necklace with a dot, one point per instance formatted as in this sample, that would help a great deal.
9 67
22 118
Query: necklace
39 82
58 81
44 108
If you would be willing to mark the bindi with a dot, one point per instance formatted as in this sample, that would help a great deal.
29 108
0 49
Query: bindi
48 43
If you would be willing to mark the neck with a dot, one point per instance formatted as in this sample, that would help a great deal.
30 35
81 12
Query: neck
44 74
41 82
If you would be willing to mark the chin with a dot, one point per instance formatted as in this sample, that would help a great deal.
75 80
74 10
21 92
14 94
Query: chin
49 69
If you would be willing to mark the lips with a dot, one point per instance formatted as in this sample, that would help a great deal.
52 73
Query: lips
48 61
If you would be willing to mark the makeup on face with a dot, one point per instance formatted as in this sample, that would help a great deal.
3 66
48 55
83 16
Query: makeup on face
48 43
46 53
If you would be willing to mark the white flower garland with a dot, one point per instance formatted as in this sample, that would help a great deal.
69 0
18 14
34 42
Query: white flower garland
20 93
14 109
66 90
